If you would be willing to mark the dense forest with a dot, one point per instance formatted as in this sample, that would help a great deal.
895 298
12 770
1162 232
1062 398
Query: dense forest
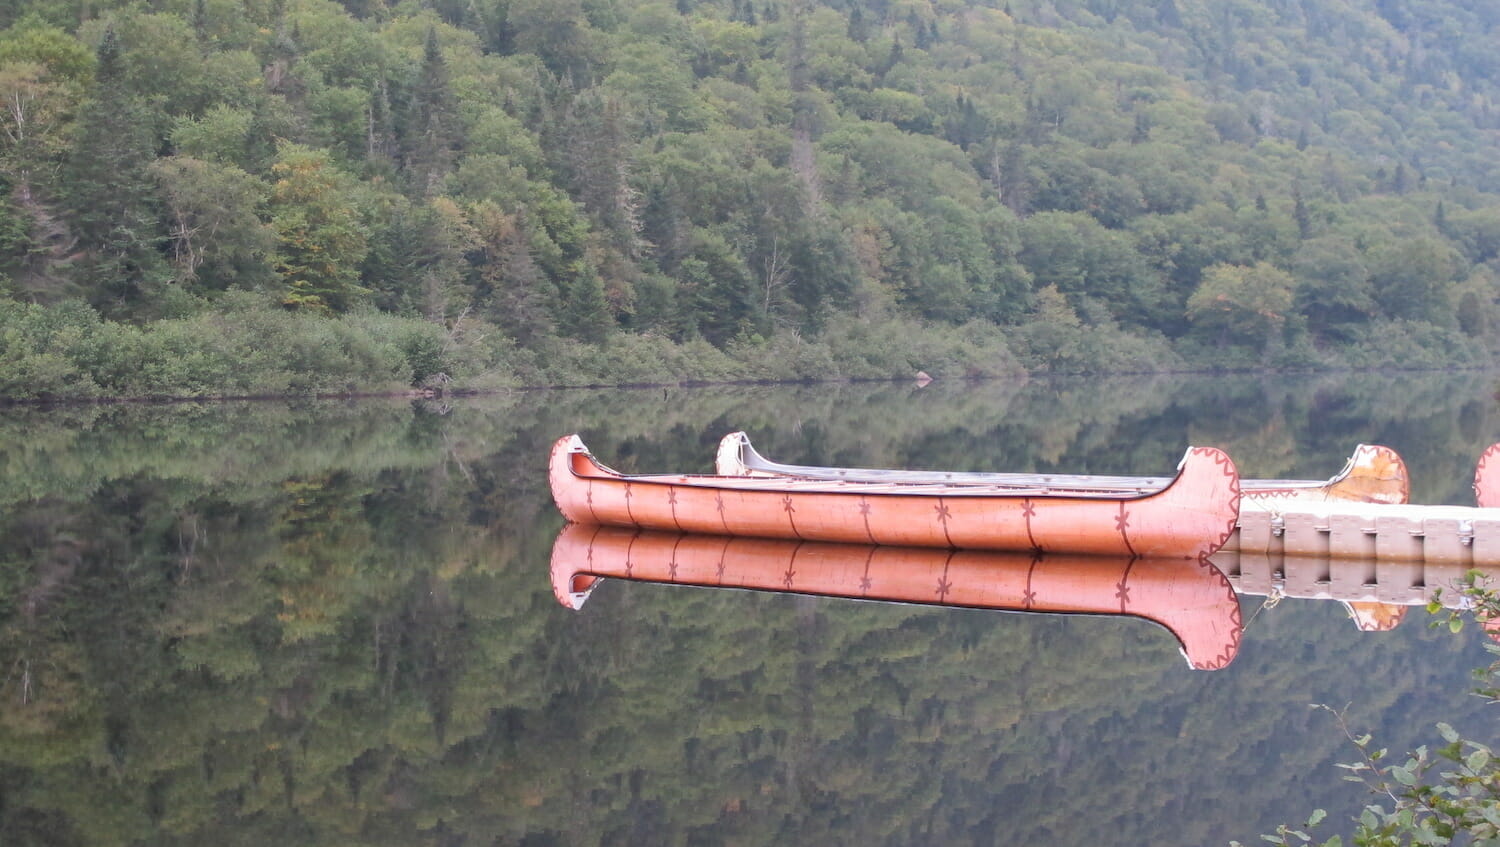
270 196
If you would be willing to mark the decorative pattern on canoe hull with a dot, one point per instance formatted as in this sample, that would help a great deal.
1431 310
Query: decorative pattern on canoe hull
1487 478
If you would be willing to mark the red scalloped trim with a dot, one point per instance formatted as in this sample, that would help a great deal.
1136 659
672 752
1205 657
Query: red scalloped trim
1226 465
1484 460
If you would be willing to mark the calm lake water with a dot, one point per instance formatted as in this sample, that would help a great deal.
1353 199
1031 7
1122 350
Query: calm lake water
332 623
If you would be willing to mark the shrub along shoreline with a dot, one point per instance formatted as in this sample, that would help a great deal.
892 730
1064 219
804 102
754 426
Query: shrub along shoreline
244 346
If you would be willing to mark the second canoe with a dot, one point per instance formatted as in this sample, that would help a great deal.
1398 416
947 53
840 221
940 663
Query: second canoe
1373 474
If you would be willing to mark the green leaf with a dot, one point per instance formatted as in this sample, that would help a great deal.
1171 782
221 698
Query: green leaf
1316 817
1455 624
1402 775
1449 733
1477 760
1427 836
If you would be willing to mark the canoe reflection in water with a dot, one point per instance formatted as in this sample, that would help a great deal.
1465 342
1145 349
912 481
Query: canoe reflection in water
1191 599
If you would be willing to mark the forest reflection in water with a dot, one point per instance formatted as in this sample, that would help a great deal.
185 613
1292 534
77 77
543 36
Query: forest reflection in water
322 622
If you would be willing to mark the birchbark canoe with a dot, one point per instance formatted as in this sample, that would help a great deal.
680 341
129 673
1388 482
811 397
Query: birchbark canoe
1189 517
1373 474
1190 599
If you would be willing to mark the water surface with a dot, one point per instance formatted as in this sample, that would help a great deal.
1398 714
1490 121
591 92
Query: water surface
331 623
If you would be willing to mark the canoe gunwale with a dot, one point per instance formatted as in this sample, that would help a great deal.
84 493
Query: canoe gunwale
863 488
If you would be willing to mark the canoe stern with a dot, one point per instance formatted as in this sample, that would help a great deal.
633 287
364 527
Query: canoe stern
572 585
730 460
1375 474
569 490
1200 507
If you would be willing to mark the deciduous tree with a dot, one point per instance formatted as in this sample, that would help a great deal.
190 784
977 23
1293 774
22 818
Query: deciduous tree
1242 304
320 237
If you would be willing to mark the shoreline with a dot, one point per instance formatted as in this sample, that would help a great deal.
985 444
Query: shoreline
7 403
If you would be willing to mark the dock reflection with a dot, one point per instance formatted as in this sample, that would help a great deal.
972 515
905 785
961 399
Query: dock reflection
1193 601
1376 592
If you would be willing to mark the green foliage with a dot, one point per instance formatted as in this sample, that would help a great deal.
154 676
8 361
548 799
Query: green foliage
584 313
1078 256
1335 293
217 238
736 169
1240 303
37 347
108 189
1411 278
1449 794
219 134
321 238
242 346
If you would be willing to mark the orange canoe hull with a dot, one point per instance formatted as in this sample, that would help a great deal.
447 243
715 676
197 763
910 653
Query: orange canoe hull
1189 518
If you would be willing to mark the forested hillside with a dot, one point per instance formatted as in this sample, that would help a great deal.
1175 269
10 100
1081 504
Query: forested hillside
263 196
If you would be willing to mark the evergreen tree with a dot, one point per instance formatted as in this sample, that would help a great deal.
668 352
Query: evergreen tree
434 134
585 312
1167 14
1301 215
597 159
521 299
858 29
380 132
108 188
